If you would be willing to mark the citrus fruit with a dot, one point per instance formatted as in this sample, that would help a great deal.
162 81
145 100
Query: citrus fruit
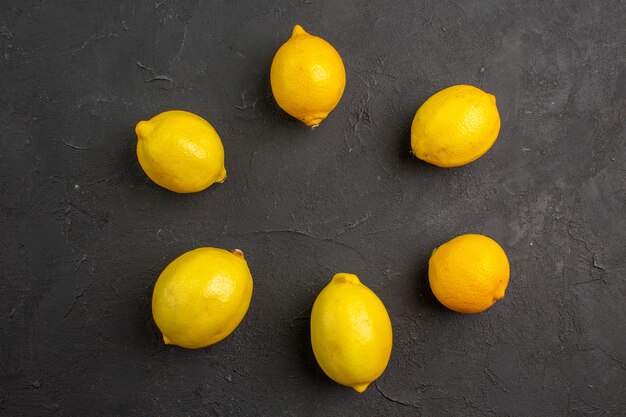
180 151
307 77
201 297
455 126
469 273
350 332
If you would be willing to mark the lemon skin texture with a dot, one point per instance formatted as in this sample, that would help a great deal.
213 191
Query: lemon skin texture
201 297
351 332
469 273
180 151
307 77
455 126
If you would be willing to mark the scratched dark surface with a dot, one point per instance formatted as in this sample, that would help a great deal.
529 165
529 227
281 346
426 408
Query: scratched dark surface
84 233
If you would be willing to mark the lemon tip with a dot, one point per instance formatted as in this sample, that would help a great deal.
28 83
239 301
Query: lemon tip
298 30
222 176
346 277
143 128
360 387
313 123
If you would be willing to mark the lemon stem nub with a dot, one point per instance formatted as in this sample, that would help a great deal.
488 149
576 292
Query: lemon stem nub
166 340
360 388
237 252
298 30
143 129
345 277
222 176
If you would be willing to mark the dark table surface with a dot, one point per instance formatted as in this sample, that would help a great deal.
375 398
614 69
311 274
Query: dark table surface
85 234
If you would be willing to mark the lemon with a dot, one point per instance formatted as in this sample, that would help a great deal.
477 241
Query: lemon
350 332
455 126
201 297
469 273
180 151
307 77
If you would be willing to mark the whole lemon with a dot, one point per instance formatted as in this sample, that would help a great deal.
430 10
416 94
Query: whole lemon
350 332
180 151
201 297
455 126
307 77
469 273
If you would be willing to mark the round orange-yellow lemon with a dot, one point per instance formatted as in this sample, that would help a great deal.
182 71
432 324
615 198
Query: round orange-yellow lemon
469 273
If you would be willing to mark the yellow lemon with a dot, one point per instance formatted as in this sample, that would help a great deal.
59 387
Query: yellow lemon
455 126
469 273
350 332
307 77
201 297
180 151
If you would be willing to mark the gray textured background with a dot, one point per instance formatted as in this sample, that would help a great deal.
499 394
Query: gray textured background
85 233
